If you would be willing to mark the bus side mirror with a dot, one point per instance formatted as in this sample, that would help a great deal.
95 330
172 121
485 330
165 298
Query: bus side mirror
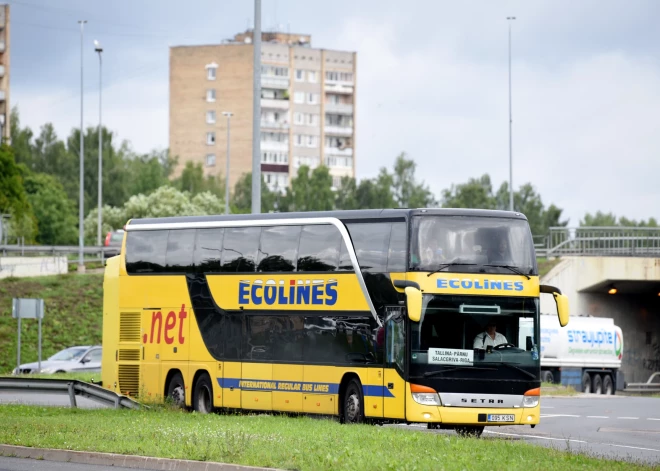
562 308
561 301
414 302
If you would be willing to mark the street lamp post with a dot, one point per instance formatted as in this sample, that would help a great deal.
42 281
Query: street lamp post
510 19
99 49
81 202
256 110
228 114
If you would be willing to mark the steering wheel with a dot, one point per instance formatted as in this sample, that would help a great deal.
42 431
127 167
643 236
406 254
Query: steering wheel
504 345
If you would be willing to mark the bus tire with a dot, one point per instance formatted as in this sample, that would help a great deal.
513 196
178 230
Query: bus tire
469 431
203 395
352 403
597 384
176 391
586 383
608 385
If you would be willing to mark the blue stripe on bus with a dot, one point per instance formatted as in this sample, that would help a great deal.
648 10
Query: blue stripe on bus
296 386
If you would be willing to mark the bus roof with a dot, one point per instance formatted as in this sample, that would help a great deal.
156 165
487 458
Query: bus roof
358 214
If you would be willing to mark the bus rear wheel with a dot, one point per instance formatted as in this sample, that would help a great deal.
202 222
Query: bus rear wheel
469 431
203 395
353 404
176 391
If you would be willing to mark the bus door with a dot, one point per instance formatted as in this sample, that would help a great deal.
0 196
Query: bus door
395 341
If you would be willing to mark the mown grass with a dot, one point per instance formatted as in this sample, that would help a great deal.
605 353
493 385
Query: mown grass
271 441
86 377
73 315
546 265
551 389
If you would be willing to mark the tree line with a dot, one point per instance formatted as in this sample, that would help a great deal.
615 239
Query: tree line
39 187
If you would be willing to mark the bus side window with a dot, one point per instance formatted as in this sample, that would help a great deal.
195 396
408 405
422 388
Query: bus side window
208 250
319 248
396 261
278 250
239 250
371 241
145 251
180 249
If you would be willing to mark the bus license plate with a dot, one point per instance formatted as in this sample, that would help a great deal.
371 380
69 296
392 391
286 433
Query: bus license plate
501 418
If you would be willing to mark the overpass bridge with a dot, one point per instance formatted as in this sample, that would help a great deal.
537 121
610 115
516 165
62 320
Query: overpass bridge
611 272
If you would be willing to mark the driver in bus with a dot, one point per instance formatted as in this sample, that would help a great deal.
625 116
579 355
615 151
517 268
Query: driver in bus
490 337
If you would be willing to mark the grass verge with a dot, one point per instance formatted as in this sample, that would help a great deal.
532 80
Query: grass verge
546 265
73 315
271 441
86 377
551 389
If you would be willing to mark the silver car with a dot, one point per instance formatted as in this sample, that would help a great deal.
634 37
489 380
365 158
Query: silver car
77 359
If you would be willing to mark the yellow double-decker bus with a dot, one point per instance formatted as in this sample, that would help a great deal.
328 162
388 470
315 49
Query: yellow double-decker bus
418 316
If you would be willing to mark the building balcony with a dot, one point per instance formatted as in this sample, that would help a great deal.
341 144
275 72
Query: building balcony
346 151
338 108
274 146
2 95
2 45
275 104
2 70
339 130
271 81
274 124
338 87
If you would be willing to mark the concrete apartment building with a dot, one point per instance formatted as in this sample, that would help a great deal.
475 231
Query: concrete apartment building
307 107
4 72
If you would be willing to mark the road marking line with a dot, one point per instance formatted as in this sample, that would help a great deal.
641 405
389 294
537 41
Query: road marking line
635 447
628 418
547 407
652 419
535 436
558 415
597 417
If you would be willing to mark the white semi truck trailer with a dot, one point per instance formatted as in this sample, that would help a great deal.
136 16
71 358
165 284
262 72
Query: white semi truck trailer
586 354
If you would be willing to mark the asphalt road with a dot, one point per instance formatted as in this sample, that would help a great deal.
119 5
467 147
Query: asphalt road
618 427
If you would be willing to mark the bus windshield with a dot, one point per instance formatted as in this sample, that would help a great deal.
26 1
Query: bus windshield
473 332
472 245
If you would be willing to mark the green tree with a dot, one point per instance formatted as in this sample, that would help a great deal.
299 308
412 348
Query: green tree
241 199
599 219
407 192
13 199
309 191
54 212
192 179
21 140
376 193
476 193
148 172
345 196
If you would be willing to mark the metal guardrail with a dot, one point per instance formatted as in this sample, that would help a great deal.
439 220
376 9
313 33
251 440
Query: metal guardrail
649 387
100 252
601 241
69 387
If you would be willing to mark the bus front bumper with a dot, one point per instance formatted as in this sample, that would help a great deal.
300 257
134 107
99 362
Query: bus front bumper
490 416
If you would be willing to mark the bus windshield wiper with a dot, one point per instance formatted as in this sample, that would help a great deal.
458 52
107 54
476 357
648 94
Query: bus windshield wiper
509 267
511 365
445 265
456 368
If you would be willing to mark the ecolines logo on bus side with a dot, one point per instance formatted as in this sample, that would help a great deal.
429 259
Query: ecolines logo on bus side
271 292
486 285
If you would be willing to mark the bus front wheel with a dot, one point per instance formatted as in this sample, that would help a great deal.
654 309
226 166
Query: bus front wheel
176 391
353 403
467 431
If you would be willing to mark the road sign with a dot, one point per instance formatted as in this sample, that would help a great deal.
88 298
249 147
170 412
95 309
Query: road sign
27 308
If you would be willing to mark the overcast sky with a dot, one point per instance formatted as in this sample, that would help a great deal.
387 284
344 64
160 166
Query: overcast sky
432 81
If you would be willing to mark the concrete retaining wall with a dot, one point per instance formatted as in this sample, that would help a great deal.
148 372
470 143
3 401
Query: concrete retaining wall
32 266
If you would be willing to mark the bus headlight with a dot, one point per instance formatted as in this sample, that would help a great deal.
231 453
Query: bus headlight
427 399
531 397
425 395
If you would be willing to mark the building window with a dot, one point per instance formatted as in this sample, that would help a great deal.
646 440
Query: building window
300 75
299 97
210 138
210 160
298 140
336 182
333 76
311 76
211 71
210 95
210 117
312 141
312 98
274 158
311 162
298 118
312 119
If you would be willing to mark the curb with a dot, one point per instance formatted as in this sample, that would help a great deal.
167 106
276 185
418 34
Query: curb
126 461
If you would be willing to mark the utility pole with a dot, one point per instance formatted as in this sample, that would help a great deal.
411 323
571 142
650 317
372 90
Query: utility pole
510 19
99 49
228 114
81 202
256 112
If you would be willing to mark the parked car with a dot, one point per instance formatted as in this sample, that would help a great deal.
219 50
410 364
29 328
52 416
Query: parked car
70 360
113 241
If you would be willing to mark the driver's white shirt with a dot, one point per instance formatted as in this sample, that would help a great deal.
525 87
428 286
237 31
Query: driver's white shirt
483 340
